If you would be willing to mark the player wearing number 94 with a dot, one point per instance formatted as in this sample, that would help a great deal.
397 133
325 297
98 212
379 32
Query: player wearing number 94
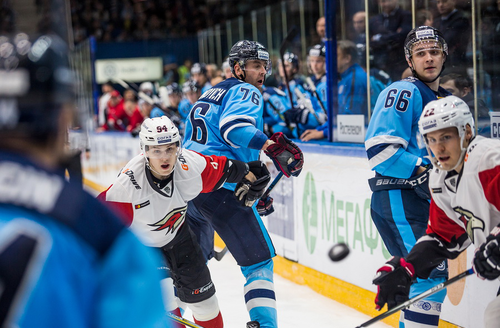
465 206
228 120
400 198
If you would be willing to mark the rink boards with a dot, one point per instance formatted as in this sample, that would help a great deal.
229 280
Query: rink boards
328 203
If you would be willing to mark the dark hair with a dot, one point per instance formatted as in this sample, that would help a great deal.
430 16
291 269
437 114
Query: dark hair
461 81
348 48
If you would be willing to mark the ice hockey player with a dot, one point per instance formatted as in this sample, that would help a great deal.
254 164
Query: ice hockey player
465 206
400 211
228 120
65 259
151 192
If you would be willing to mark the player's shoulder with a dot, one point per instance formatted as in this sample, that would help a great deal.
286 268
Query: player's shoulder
190 163
217 93
483 154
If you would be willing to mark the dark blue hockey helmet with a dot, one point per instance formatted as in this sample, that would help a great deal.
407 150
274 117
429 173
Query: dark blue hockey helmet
245 50
190 85
317 50
292 58
35 76
424 33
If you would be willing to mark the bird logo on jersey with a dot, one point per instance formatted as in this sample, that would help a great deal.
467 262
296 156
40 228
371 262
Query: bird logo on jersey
471 221
171 221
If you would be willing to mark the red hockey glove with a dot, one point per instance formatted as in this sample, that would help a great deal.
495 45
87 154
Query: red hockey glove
286 156
265 206
248 192
393 280
487 258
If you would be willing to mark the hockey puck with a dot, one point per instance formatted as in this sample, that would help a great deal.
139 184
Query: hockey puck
338 252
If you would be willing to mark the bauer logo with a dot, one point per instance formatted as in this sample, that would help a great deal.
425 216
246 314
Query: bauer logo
164 139
424 34
263 55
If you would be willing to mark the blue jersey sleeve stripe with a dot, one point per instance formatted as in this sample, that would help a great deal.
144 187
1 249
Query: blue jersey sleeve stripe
258 140
380 154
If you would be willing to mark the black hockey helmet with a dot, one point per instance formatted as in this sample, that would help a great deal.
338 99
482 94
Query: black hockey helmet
174 88
190 85
245 50
424 33
317 50
35 78
292 58
199 68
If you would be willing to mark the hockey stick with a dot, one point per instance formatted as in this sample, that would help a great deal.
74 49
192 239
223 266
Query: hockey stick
289 37
140 94
219 255
183 321
423 295
315 93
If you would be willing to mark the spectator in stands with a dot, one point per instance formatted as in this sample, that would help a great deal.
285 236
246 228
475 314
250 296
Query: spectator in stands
115 110
131 115
388 31
184 71
359 37
320 29
424 17
102 109
461 87
129 94
456 31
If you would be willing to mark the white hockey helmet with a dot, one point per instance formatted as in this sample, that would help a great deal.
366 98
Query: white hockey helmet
158 131
443 113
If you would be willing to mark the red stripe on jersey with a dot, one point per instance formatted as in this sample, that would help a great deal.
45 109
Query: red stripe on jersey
442 225
124 210
490 181
213 172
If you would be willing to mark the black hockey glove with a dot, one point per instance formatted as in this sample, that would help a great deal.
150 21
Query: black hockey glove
248 192
265 206
286 156
420 183
487 258
297 115
393 280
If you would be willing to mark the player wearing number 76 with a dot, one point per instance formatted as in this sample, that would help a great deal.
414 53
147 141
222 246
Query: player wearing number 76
228 120
400 199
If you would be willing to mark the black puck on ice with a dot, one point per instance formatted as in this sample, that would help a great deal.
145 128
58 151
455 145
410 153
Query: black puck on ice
338 252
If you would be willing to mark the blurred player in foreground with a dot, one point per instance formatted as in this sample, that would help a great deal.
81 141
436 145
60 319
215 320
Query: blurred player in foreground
465 206
152 192
65 259
228 120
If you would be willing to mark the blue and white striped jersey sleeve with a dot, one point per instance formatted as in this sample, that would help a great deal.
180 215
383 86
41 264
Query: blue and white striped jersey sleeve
391 138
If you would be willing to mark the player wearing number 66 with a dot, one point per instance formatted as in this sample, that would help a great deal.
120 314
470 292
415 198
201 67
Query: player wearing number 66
400 199
228 120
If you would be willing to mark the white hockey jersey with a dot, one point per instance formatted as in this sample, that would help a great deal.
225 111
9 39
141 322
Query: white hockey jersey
155 214
469 201
465 207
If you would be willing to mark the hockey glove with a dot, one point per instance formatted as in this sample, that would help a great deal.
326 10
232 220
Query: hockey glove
487 258
265 206
286 156
297 115
248 192
393 280
420 183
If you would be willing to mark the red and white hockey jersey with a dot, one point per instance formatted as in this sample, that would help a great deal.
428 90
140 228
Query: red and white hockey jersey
155 214
465 207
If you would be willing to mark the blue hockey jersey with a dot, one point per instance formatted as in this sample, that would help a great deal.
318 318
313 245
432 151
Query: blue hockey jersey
228 121
66 260
391 138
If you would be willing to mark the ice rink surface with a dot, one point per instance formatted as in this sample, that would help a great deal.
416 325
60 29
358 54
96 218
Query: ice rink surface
298 306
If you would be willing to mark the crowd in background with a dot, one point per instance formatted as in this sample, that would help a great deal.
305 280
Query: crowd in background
175 93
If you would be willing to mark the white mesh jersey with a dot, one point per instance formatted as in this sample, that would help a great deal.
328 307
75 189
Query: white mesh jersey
468 202
155 214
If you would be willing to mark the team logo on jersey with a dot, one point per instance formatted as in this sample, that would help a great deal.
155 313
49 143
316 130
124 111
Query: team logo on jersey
183 162
130 174
470 221
171 221
138 206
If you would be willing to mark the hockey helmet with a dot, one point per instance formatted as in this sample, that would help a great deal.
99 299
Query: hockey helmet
36 81
424 33
317 50
199 68
158 131
245 50
292 58
443 113
174 88
190 85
